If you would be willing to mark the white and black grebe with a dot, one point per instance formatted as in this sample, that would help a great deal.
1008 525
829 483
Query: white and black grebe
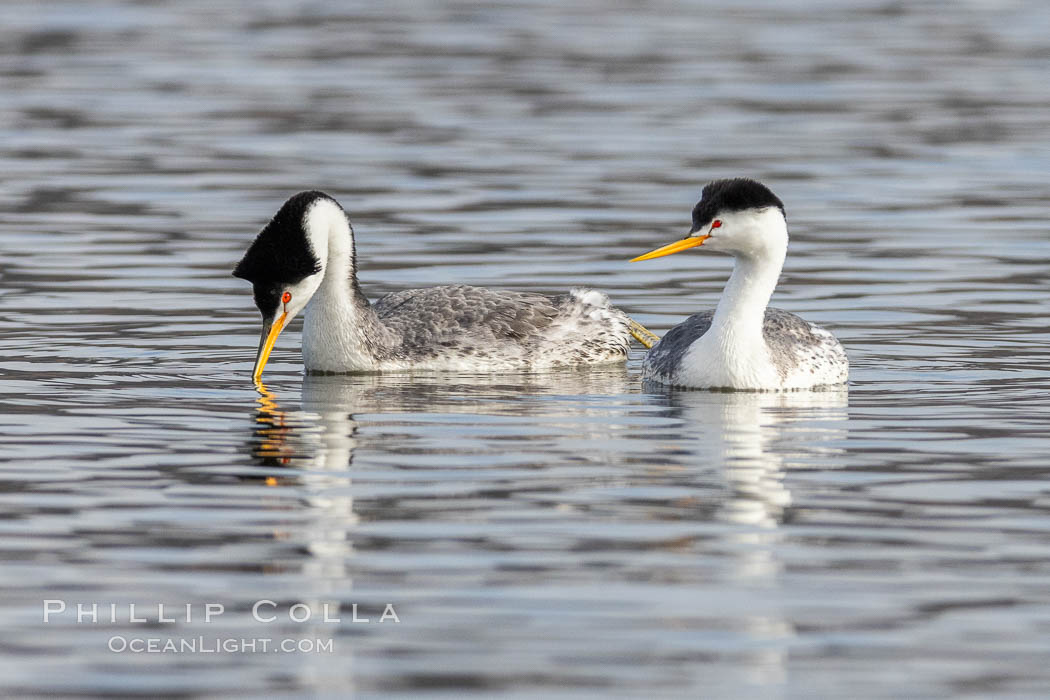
743 344
305 259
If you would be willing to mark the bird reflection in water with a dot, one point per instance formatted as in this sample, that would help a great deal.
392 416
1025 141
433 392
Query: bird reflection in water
744 443
312 449
753 440
311 452
307 458
320 437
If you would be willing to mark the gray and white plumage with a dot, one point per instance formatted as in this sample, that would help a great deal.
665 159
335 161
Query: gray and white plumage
305 260
796 348
744 344
504 329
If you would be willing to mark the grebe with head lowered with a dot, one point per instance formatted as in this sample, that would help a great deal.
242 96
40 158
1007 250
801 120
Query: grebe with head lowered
744 344
305 259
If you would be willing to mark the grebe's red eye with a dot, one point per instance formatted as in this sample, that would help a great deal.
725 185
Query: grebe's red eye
717 223
286 297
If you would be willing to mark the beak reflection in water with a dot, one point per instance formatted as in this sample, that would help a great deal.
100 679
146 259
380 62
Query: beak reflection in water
270 445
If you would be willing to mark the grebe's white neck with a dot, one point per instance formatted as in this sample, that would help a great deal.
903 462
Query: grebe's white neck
341 331
331 238
742 306
759 253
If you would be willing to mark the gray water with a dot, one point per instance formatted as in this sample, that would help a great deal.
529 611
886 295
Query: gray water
568 534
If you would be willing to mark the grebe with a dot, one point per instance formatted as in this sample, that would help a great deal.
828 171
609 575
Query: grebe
305 259
743 344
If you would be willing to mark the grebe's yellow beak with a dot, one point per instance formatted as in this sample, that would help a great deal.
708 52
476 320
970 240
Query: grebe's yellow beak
270 331
677 246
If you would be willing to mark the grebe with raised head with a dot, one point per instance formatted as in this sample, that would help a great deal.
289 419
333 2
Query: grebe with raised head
743 343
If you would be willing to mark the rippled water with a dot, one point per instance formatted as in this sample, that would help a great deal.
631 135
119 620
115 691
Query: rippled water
576 533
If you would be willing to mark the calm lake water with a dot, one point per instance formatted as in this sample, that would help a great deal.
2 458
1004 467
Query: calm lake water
571 534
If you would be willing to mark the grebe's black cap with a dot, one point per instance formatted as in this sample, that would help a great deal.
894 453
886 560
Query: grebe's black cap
736 194
280 255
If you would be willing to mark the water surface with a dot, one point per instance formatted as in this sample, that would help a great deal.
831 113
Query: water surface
575 533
